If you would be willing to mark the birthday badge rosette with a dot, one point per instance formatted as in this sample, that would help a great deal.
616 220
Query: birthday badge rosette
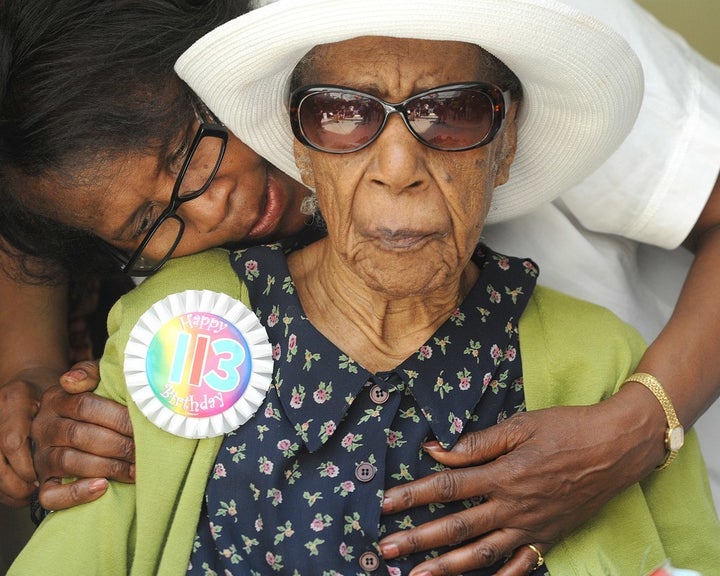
198 363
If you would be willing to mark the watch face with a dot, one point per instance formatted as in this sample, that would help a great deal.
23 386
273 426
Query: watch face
676 438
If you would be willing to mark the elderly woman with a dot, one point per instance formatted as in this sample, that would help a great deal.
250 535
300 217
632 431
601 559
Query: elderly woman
396 330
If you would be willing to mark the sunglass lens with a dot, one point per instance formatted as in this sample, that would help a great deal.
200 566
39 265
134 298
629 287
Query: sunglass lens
452 119
339 121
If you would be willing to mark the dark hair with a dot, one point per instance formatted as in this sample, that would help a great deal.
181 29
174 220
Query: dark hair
82 81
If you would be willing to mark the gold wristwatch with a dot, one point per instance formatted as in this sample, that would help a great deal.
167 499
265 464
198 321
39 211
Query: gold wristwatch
675 433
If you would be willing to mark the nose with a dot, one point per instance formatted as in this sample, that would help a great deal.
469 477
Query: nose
206 212
398 159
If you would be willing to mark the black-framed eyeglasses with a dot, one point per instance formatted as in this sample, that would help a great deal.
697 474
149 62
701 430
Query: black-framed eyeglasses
452 118
195 176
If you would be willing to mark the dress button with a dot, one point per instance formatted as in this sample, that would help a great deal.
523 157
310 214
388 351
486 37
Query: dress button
369 561
365 472
378 395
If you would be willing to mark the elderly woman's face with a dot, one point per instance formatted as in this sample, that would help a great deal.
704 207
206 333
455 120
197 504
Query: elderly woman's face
404 217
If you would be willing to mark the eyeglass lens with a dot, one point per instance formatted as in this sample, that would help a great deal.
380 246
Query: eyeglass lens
338 120
196 176
162 243
201 167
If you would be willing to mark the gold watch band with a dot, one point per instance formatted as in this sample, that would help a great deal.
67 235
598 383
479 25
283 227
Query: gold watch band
674 434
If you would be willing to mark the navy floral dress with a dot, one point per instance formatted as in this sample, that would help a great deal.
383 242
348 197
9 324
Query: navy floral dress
297 490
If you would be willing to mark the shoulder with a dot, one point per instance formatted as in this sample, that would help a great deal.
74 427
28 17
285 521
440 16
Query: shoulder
573 351
558 315
209 270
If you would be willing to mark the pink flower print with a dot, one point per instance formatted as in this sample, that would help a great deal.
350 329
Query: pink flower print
392 438
494 296
284 445
270 558
464 383
343 549
269 412
457 425
426 351
495 352
348 486
317 525
331 470
273 318
329 428
215 530
530 268
251 269
220 471
510 353
320 396
487 379
394 571
292 342
347 440
259 525
266 466
277 352
296 400
504 263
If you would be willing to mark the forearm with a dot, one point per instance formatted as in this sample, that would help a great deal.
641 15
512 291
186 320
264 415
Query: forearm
685 356
33 324
33 329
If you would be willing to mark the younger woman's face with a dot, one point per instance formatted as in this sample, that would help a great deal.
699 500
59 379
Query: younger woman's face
249 200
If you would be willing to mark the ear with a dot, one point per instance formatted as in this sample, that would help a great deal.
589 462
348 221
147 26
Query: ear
508 146
304 164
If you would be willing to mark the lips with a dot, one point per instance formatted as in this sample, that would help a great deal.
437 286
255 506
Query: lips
406 240
273 209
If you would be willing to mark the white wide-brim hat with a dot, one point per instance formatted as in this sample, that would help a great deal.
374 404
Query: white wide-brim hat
582 83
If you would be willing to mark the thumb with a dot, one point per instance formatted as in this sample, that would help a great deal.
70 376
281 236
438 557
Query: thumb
480 446
82 377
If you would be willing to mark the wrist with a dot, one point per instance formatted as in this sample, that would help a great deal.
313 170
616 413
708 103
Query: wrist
674 433
642 425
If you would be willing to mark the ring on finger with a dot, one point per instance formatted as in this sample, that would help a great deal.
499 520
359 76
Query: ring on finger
540 559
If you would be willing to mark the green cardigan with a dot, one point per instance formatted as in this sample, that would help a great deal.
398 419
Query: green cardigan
573 353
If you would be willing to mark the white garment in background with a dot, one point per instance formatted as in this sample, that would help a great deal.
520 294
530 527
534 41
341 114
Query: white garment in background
614 238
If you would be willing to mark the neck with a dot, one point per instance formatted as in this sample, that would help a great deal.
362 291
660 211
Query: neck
377 330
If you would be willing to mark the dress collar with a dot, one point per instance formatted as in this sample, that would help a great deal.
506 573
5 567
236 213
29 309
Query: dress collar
475 350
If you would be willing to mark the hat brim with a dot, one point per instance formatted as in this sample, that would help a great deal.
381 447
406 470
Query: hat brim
582 83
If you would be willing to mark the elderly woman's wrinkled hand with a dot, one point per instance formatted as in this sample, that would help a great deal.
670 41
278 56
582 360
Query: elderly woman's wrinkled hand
542 474
78 433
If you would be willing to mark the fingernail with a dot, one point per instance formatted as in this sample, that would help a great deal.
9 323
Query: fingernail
98 485
387 505
432 446
76 375
389 551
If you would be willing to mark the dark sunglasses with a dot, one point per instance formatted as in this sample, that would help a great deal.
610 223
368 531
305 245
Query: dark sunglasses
452 118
